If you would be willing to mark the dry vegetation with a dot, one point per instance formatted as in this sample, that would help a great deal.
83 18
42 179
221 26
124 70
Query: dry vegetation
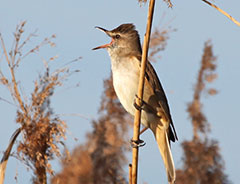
41 129
202 161
158 42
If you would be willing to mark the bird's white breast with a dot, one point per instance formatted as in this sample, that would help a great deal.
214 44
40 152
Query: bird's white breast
125 82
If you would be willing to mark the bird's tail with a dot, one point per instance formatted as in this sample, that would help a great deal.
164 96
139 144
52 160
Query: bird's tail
161 136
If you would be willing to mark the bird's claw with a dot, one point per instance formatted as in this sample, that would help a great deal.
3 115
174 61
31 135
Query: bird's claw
137 143
138 107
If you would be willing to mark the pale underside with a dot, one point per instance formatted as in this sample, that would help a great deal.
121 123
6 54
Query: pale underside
125 82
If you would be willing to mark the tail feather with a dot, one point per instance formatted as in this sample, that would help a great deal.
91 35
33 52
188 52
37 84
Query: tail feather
161 136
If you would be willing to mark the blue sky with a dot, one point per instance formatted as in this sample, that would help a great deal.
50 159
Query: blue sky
73 23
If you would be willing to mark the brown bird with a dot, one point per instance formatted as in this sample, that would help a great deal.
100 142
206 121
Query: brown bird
125 52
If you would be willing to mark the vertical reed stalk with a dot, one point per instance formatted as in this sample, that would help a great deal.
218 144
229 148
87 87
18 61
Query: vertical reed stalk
140 91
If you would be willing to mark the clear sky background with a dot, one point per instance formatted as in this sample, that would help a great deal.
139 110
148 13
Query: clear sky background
73 23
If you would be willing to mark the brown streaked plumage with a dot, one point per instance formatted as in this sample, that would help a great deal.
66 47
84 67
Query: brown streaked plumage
125 52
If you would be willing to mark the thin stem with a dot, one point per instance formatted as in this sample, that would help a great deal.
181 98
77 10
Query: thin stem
140 91
16 93
130 173
223 12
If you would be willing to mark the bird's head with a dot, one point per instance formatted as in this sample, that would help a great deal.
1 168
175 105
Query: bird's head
124 40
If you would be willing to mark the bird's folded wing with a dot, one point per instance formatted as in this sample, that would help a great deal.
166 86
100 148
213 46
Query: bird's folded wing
159 97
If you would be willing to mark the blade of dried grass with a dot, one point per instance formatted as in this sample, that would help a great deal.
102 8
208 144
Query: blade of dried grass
6 155
223 12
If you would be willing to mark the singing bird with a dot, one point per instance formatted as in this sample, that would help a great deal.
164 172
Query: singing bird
125 52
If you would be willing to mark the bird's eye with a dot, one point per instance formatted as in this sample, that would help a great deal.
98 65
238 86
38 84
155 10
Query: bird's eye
117 36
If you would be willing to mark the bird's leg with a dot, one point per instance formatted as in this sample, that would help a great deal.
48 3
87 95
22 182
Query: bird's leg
143 130
140 143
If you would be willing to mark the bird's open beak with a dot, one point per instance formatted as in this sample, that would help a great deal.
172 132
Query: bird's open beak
106 45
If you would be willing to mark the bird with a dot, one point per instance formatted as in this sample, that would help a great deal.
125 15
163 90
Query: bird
125 53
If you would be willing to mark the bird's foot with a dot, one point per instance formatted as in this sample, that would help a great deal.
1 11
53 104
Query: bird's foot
138 107
137 143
